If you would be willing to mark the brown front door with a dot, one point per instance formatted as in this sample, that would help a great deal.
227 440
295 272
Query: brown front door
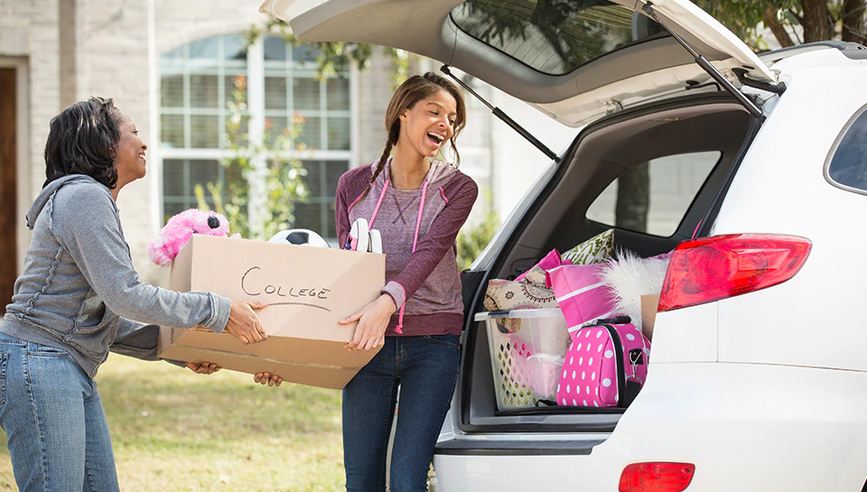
8 256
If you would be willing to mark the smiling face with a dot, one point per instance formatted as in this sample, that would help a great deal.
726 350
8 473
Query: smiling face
427 125
130 162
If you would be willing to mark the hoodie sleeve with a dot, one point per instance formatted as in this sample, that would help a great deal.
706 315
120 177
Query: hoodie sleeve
84 221
436 242
139 340
136 340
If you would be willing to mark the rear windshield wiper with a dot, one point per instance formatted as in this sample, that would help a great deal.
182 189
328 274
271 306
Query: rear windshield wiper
503 116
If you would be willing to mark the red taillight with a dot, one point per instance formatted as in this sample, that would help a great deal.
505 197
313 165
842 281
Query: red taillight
656 477
714 268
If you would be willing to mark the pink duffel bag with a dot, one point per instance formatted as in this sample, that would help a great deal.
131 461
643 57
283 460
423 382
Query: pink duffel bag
606 365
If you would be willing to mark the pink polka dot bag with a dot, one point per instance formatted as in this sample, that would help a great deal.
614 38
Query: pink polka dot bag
605 366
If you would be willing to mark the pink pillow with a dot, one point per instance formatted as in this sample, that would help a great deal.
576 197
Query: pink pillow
551 260
581 293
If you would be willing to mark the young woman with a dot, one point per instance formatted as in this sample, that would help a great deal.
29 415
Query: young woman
66 309
418 205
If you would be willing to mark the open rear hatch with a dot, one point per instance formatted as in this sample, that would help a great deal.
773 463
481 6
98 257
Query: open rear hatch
574 60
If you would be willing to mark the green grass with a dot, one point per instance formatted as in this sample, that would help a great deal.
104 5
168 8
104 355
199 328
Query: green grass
176 430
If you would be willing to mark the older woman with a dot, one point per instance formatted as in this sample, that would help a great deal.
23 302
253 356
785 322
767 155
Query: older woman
75 301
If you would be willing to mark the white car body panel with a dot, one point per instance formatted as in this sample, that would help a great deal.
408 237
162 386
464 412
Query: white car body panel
784 433
756 327
784 403
686 335
761 392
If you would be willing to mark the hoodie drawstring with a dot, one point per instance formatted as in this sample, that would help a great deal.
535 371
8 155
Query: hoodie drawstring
378 203
414 244
418 219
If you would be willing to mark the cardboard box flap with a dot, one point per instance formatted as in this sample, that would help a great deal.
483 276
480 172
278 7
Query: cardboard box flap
298 350
332 376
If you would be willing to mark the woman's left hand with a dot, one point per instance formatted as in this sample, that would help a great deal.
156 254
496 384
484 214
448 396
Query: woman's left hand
264 378
372 323
205 368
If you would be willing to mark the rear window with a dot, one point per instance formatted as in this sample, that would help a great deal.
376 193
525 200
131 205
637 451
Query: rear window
653 197
553 37
847 168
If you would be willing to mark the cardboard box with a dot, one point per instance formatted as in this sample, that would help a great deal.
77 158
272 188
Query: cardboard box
309 289
649 306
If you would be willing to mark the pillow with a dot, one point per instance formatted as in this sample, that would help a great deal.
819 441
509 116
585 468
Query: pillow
581 293
536 275
629 277
505 295
597 249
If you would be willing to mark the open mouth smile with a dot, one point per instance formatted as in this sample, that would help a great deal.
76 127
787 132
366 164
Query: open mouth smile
436 138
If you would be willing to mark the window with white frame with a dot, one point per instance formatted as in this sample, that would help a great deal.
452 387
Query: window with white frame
198 81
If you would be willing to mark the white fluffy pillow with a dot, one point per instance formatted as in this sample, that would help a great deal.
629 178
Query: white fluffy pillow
629 277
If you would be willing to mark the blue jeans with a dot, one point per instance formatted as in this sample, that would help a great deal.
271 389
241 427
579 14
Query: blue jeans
425 368
53 417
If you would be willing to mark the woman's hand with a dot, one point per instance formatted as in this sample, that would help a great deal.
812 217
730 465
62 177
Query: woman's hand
264 378
243 322
205 368
372 323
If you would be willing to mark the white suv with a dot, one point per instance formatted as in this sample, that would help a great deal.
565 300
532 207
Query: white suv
757 380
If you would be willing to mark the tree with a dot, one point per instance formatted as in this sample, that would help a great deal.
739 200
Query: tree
474 238
335 57
633 199
263 182
819 20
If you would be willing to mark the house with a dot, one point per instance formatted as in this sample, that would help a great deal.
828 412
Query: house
172 67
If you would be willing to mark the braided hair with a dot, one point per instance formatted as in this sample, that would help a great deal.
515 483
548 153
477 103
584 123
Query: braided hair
415 89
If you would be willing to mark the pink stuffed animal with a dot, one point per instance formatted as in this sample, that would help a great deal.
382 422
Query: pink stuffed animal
180 228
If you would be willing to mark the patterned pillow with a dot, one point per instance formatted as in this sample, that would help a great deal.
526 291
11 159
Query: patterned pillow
597 249
505 295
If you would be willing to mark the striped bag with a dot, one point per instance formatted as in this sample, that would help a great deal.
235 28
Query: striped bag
581 294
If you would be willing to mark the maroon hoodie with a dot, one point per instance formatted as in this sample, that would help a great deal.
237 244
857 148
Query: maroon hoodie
418 229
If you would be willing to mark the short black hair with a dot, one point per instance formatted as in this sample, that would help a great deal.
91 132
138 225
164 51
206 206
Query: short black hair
83 140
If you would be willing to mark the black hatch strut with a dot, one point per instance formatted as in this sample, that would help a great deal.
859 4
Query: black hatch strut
714 73
503 116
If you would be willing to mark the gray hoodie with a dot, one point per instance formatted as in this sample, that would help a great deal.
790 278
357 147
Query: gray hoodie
79 280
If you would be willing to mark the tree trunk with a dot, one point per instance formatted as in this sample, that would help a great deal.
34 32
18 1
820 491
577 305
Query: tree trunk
818 23
770 19
853 21
633 199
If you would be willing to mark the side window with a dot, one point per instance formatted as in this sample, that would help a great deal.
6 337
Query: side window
653 197
847 166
